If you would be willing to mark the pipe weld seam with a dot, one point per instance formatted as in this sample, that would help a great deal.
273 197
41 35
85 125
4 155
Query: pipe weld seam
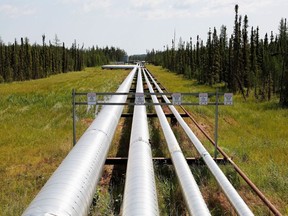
176 149
92 130
204 154
140 139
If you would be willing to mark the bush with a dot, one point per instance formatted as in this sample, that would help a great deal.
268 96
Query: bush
2 79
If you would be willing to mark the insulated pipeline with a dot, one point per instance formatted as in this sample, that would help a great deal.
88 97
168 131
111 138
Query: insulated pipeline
70 190
192 195
140 196
235 199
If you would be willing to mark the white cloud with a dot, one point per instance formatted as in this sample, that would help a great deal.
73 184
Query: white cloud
87 6
13 11
168 13
91 5
184 4
146 4
161 9
168 9
69 1
212 8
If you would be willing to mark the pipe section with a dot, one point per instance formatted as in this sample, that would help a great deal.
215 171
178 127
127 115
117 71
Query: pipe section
235 199
192 195
140 196
70 190
111 67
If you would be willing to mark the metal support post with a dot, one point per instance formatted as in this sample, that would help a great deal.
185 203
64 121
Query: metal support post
74 117
216 124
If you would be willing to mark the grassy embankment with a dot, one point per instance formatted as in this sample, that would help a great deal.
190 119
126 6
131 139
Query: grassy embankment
36 134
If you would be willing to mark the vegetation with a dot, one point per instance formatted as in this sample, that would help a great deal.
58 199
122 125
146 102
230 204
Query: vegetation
24 61
244 64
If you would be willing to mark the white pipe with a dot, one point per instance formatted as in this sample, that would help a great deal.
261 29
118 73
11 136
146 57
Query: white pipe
235 199
140 196
191 192
111 67
71 188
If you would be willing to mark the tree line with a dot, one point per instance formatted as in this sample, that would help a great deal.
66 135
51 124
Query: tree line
23 61
244 63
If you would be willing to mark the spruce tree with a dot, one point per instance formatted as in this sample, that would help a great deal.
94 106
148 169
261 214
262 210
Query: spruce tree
223 49
2 59
28 60
283 50
216 58
245 56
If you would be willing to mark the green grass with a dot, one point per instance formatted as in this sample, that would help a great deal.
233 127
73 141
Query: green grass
254 134
36 130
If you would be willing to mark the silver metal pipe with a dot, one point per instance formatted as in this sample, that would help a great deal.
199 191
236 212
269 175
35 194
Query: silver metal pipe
71 188
235 199
192 195
122 66
140 196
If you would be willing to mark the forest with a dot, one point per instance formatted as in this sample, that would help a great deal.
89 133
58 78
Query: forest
243 63
19 62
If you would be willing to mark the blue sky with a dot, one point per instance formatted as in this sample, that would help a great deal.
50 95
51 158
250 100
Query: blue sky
132 25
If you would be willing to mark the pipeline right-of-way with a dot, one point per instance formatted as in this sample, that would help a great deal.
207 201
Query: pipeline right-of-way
71 188
235 199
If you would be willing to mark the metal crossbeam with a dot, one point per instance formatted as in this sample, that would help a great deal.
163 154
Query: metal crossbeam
154 115
163 160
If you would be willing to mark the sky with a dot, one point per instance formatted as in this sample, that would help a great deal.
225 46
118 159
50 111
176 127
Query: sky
133 25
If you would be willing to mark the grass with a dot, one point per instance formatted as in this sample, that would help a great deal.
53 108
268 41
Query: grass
36 134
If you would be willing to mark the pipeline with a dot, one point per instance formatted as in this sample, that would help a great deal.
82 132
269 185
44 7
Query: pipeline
140 196
70 190
190 189
111 67
235 199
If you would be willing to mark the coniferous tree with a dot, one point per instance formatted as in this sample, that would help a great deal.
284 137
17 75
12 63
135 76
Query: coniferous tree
230 79
223 49
245 56
208 73
216 58
236 53
2 59
191 57
15 60
283 50
8 67
28 60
